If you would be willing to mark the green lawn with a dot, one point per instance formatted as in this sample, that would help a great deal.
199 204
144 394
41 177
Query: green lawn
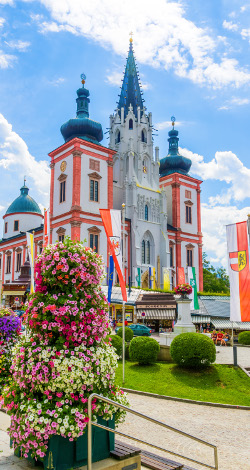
217 384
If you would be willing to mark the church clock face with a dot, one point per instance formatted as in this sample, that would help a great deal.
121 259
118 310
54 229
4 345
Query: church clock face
63 166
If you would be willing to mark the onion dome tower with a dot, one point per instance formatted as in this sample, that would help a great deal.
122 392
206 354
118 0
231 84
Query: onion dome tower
82 126
174 162
23 214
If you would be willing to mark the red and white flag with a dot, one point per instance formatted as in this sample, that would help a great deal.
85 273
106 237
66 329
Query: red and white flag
46 229
181 276
112 225
239 274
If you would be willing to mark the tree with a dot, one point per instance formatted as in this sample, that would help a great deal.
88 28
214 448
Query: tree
214 279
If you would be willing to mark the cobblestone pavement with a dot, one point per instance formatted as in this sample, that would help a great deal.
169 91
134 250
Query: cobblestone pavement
229 429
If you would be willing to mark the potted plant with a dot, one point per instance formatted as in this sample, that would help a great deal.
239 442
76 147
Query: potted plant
183 290
65 357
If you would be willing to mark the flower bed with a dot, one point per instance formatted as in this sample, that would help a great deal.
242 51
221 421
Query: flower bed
66 355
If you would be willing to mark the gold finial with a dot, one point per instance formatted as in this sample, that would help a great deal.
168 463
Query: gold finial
131 34
24 180
50 462
173 121
83 78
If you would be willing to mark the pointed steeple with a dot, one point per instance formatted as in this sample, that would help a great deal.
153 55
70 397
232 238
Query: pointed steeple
131 92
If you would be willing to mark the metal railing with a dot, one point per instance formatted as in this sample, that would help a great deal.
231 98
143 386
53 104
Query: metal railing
148 418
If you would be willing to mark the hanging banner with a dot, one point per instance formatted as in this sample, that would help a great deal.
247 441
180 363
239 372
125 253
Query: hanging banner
30 243
112 225
166 279
138 276
239 275
46 228
111 277
181 276
193 296
154 279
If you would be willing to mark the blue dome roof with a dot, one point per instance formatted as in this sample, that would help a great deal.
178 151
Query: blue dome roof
81 126
24 203
174 162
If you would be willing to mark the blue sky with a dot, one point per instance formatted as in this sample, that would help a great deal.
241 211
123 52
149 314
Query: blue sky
193 59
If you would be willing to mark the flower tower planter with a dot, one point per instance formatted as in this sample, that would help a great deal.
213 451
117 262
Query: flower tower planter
10 328
64 358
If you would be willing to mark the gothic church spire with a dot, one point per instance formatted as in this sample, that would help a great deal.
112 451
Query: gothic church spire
131 92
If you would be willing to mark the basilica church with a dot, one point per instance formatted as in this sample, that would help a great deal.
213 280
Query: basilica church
162 199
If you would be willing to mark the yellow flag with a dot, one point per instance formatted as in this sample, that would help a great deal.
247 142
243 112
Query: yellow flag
166 279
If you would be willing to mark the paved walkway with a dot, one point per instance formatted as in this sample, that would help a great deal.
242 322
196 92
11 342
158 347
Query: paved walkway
229 429
224 355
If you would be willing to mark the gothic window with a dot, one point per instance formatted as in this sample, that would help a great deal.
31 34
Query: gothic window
118 136
146 212
148 252
171 249
93 190
16 225
18 261
143 136
6 227
143 252
130 124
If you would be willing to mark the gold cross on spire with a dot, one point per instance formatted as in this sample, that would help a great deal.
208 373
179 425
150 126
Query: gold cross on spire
131 34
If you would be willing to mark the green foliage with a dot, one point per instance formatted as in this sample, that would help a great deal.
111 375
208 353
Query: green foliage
128 333
191 350
214 280
117 344
144 350
215 294
244 337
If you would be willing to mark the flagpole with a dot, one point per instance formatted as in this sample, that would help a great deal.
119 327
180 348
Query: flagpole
123 304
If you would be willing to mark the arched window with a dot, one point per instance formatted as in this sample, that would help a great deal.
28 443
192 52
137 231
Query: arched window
146 212
143 252
148 252
118 137
143 136
130 124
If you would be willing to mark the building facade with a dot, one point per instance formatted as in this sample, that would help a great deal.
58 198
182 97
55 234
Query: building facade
162 200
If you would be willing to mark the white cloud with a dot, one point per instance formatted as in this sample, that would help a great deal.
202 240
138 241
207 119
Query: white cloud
167 125
6 2
15 157
223 108
57 81
245 33
20 45
163 36
222 209
240 101
6 60
2 21
230 26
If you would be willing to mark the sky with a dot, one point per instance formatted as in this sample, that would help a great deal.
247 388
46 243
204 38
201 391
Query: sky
193 61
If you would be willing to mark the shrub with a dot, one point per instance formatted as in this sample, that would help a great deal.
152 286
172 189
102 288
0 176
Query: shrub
244 337
144 350
117 344
128 333
192 350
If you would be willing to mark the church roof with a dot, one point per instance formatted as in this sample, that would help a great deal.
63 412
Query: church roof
174 162
23 203
131 91
81 126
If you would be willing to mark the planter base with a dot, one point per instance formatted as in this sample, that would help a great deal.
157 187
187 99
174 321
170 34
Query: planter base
63 454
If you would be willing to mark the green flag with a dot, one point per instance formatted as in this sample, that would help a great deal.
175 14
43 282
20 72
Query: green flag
193 296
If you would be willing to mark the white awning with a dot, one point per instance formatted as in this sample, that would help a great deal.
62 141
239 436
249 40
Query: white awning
156 314
200 319
236 325
13 292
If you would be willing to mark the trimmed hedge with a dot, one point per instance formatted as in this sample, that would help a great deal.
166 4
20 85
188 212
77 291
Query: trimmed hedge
117 344
144 350
244 337
192 350
128 333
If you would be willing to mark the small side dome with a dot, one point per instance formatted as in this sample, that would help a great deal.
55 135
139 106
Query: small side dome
82 126
24 203
174 162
